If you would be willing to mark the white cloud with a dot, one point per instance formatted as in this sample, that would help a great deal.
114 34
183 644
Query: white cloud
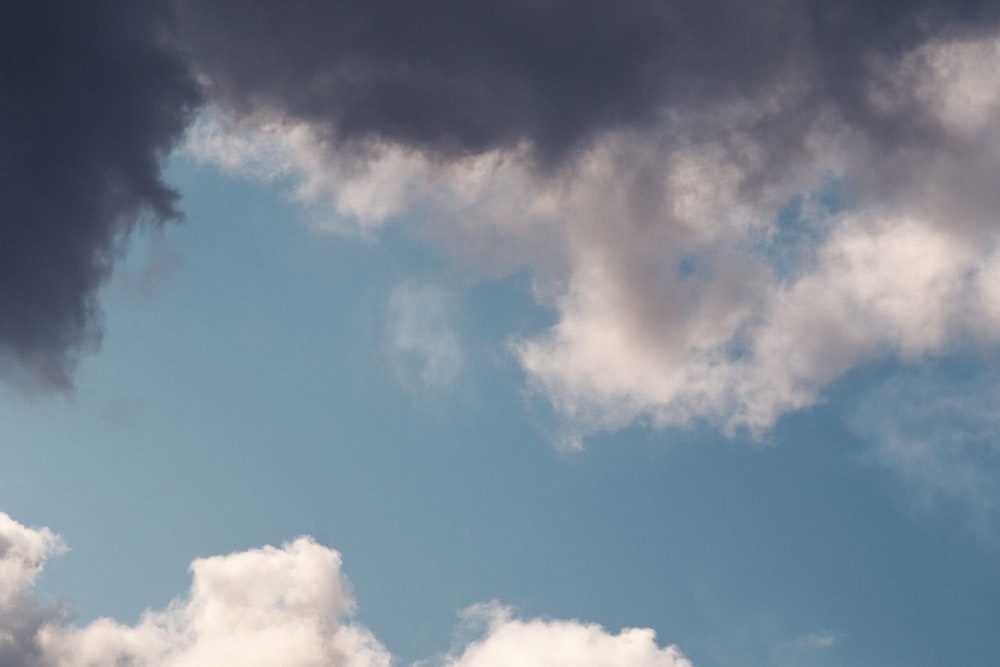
422 342
23 552
289 607
282 607
541 643
664 251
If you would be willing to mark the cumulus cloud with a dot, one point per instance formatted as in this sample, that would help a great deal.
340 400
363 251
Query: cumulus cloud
93 96
671 276
756 201
422 344
539 642
23 553
289 606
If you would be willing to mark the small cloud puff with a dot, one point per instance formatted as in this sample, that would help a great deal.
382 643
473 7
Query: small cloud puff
824 639
421 340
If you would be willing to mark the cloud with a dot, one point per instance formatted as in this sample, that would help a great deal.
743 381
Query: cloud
287 606
457 80
23 552
421 341
815 648
93 97
270 606
721 233
937 430
539 642
725 210
822 640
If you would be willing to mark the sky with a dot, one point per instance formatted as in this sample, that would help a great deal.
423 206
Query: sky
648 333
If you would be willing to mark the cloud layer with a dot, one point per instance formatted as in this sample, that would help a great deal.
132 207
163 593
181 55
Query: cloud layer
287 607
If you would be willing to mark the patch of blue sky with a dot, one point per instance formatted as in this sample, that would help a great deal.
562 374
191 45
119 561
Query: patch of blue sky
801 227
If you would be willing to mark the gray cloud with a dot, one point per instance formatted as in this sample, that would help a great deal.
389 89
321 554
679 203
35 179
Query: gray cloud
463 78
92 96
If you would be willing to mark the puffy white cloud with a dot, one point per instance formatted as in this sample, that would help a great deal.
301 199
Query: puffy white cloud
289 607
704 267
271 606
266 606
23 553
545 643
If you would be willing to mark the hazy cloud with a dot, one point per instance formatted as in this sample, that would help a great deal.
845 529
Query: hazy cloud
937 430
421 341
458 79
287 607
821 640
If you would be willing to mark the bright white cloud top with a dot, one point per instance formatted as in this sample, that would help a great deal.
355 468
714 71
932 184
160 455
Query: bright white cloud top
272 607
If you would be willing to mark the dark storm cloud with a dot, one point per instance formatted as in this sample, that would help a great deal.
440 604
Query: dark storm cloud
454 78
91 97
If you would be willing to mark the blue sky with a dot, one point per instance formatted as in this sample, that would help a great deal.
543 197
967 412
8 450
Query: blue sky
356 335
287 416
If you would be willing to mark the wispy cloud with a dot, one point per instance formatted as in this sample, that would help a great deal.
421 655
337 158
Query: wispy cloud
938 431
421 341
821 640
